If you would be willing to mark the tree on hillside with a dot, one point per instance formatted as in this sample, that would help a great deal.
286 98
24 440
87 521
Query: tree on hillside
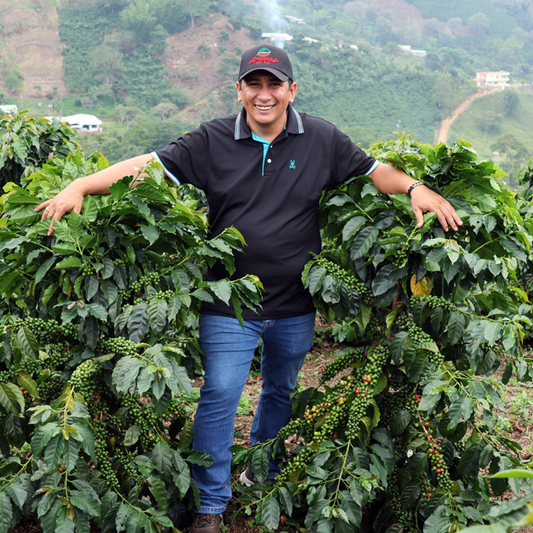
14 80
490 122
107 62
140 18
479 22
514 153
165 110
196 9
510 102
179 96
443 92
128 115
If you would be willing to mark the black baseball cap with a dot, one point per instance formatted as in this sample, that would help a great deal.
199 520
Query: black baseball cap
270 58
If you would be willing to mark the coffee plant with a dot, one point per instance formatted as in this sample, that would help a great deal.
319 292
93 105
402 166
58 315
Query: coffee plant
26 141
399 433
98 338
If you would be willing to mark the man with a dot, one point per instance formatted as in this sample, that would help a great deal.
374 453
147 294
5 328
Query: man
263 171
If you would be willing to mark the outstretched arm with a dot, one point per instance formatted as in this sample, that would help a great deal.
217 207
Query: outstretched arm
390 180
71 197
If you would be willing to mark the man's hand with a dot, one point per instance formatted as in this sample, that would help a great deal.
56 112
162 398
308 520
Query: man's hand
69 199
425 200
390 180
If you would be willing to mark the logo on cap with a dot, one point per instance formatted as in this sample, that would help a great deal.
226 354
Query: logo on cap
264 52
262 57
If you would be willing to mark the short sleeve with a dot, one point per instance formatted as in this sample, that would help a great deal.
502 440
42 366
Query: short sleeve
348 159
187 159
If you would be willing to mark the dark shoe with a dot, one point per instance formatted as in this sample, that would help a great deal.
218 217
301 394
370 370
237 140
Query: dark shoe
206 523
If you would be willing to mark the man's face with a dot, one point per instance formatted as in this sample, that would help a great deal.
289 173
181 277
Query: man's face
265 99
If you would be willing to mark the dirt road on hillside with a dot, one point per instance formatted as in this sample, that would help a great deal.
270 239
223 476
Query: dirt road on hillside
444 129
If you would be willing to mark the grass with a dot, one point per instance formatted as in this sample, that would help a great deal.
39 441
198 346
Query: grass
71 105
469 125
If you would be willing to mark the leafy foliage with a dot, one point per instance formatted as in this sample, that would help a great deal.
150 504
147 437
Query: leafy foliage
98 339
396 438
25 141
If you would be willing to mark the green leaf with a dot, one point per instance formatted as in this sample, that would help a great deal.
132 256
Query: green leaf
409 495
54 452
182 479
397 346
43 269
151 233
86 501
270 512
159 490
138 322
18 493
494 528
469 462
515 473
132 435
314 281
221 289
81 521
400 422
324 525
69 262
48 518
90 208
492 332
6 512
260 461
363 242
91 332
98 311
162 457
199 458
456 327
28 342
11 398
416 363
157 313
85 435
352 227
63 524
125 373
28 384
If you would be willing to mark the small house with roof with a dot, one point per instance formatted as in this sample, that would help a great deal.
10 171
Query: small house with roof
487 80
9 109
82 122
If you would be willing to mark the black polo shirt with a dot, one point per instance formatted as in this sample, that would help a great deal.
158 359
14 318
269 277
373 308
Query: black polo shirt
270 194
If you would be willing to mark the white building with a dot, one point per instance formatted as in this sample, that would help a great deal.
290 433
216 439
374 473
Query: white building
9 109
83 122
492 79
277 37
408 50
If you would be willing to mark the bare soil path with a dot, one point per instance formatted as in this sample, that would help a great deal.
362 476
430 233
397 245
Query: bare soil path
441 135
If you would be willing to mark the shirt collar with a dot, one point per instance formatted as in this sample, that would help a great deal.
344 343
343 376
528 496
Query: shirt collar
294 124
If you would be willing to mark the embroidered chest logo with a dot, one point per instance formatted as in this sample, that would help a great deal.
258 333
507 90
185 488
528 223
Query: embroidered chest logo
292 164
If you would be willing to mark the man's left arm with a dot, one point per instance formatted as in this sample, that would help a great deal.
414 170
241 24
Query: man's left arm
390 180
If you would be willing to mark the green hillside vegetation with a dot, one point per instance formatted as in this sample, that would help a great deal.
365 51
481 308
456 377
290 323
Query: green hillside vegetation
499 128
115 54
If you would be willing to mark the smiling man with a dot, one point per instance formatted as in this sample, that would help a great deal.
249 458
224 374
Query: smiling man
263 171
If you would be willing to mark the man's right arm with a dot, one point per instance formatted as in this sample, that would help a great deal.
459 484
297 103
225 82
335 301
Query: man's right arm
71 197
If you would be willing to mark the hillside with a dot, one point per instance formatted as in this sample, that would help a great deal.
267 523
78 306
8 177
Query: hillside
30 40
68 53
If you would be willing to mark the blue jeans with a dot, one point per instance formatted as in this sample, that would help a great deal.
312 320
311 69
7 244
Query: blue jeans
229 350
